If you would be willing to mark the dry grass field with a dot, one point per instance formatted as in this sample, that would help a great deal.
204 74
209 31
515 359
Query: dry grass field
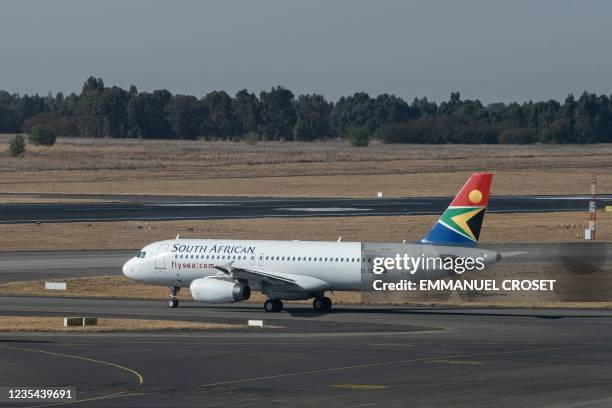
120 287
497 229
55 324
295 169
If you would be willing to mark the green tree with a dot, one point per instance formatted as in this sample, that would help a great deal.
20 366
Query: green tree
246 108
147 115
358 110
90 119
222 119
278 116
251 138
360 137
312 118
113 105
42 135
516 136
184 115
16 146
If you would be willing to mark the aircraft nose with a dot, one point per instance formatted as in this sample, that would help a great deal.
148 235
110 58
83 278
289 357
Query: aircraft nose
128 269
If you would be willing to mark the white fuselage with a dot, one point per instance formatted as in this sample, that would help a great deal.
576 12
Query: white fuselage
179 262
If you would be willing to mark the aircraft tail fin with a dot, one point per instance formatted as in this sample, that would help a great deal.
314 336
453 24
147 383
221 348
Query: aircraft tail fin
460 224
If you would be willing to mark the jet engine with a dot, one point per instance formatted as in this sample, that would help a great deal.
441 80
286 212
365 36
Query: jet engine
213 290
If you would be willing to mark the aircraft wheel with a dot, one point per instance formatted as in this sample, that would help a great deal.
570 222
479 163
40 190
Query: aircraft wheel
273 305
328 303
321 304
173 302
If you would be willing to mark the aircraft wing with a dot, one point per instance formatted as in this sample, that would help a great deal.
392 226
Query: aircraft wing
302 282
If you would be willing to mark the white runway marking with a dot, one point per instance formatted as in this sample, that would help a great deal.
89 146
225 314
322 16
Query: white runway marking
195 205
323 209
583 197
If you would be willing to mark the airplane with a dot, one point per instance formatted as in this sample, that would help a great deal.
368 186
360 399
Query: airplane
226 271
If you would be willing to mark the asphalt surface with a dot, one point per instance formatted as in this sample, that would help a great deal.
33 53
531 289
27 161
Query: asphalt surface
352 356
160 208
17 266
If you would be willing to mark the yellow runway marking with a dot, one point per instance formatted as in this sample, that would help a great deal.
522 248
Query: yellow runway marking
360 386
456 362
114 395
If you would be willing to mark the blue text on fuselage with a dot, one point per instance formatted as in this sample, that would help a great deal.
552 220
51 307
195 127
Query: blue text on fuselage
214 249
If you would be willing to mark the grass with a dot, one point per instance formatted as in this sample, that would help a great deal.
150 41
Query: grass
296 169
497 229
56 324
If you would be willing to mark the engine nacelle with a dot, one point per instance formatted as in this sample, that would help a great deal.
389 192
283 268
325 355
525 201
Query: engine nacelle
212 290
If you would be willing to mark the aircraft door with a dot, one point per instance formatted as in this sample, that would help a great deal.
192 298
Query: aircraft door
160 257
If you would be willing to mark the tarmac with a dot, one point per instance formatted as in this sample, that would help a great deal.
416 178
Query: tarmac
352 356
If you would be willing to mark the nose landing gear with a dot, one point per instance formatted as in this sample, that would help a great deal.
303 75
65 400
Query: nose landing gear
173 301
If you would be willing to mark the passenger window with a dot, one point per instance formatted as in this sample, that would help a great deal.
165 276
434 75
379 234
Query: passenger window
299 258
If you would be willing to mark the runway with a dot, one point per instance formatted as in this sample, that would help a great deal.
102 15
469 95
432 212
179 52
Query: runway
155 208
354 356
16 266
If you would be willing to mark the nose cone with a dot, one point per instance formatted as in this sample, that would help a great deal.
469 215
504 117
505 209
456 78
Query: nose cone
128 269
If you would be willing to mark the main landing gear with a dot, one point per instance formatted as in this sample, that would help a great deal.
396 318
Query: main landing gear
321 304
173 301
273 305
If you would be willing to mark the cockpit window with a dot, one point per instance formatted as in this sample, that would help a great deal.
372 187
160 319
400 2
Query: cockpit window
141 254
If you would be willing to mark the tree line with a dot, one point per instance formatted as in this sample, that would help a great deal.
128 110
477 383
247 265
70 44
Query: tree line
277 114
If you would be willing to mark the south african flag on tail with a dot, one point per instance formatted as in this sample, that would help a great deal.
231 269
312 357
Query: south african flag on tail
460 224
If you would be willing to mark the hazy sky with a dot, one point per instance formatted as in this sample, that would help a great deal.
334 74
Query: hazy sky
493 50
